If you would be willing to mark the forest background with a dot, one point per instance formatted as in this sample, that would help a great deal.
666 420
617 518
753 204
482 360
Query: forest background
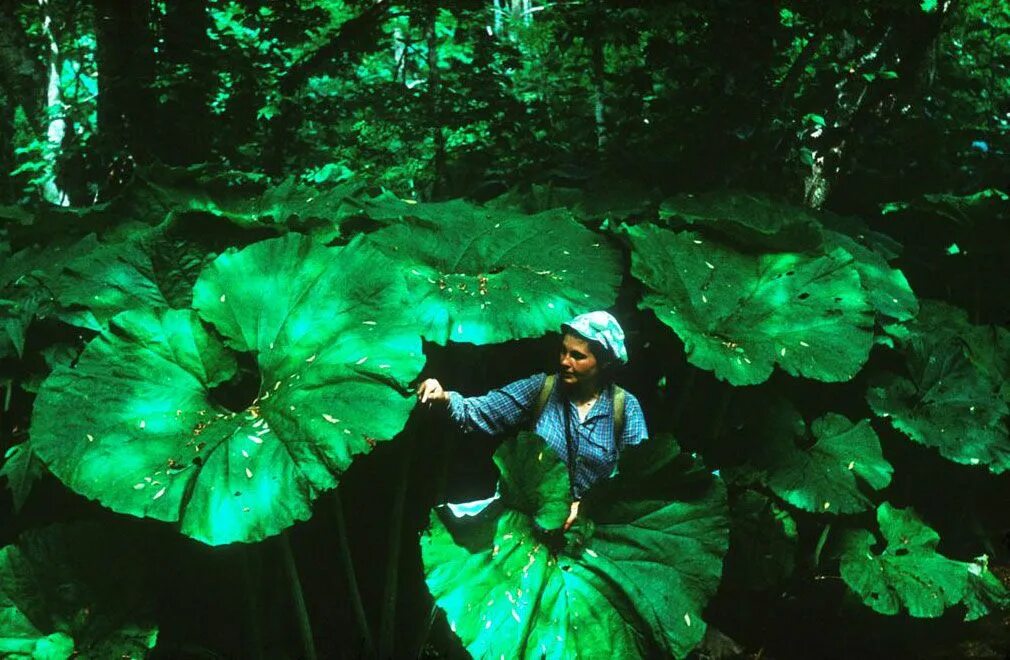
239 121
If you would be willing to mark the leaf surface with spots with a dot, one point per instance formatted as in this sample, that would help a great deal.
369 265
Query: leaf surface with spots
631 576
741 314
910 574
954 393
485 276
140 423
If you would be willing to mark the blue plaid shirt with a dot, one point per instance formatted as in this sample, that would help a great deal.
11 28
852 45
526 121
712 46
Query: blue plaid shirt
509 407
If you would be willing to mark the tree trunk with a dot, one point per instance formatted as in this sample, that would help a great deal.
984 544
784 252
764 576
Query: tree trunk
186 127
20 70
56 123
125 58
8 193
905 49
596 57
438 163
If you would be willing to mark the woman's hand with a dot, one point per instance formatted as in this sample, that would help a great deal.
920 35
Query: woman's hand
573 513
431 390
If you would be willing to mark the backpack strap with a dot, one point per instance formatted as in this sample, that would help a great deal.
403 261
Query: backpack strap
545 393
619 396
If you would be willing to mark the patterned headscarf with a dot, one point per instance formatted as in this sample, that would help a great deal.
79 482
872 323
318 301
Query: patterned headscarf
602 328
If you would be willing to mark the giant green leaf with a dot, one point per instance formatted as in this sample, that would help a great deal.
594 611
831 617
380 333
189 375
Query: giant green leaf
108 280
754 220
483 276
954 395
910 574
27 283
961 209
599 199
741 314
137 423
67 592
631 576
825 476
150 269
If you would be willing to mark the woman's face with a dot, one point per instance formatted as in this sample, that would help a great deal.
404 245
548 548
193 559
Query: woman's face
578 365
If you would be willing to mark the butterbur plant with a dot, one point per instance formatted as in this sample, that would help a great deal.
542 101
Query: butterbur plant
225 357
151 440
632 576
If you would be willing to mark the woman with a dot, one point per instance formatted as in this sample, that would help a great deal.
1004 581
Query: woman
574 411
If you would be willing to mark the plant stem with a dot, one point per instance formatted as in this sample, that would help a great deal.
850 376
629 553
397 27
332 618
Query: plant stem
434 84
301 612
388 618
352 579
720 416
820 544
684 395
250 579
422 638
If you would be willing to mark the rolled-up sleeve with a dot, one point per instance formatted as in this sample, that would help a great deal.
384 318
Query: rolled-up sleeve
634 423
499 410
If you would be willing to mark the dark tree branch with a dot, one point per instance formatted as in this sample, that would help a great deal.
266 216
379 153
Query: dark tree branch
21 73
788 84
354 36
908 53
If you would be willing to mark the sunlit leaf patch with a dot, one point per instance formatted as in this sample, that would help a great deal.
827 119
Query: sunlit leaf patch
889 291
631 576
139 424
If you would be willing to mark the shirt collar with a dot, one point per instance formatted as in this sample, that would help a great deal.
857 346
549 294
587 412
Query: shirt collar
602 407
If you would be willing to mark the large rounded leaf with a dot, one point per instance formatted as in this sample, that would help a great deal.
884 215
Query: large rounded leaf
740 314
67 592
136 424
150 269
242 198
109 279
484 276
910 574
631 576
827 475
954 397
27 282
753 220
663 526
